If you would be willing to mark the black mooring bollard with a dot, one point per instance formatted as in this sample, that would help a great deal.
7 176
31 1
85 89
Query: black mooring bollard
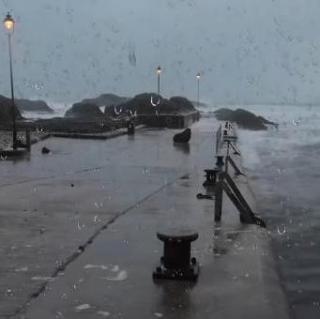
220 162
176 263
131 128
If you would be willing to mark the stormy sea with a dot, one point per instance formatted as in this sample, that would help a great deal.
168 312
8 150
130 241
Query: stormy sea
284 169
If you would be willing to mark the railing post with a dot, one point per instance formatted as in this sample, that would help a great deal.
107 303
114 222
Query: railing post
218 198
28 140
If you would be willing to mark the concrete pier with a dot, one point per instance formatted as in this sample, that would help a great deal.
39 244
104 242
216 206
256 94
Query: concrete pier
78 233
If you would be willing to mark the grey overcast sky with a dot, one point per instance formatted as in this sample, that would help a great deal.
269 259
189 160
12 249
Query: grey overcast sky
248 51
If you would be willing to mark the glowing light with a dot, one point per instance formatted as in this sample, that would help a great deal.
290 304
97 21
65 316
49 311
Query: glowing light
9 23
159 70
198 76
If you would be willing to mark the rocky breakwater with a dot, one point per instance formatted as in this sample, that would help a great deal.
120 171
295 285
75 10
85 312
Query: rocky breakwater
244 119
154 110
108 112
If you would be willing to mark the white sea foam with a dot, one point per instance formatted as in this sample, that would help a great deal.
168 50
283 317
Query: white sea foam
298 126
120 276
58 108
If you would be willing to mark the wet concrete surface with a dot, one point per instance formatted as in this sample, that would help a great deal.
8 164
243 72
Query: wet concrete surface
110 198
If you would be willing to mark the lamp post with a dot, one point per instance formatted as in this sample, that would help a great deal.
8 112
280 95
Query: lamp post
159 70
9 26
198 76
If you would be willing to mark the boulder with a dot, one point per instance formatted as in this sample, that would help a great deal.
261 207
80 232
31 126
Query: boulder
243 118
6 110
183 137
151 103
33 106
106 100
85 111
45 150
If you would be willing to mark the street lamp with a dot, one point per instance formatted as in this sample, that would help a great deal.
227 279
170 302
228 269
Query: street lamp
198 76
9 26
159 70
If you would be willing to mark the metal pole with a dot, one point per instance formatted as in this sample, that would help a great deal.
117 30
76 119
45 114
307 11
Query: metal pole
14 128
158 83
198 92
227 158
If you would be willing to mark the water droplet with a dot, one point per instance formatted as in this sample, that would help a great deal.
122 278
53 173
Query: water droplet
115 268
83 307
59 315
281 229
22 269
9 292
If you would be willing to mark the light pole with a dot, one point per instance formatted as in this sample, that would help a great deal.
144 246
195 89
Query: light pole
198 76
9 26
159 70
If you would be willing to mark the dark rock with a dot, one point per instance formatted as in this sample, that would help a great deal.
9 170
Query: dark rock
243 118
33 106
183 137
6 110
153 104
146 107
45 150
106 100
85 110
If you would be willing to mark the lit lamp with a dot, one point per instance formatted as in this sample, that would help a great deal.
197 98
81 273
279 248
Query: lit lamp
9 26
159 70
198 76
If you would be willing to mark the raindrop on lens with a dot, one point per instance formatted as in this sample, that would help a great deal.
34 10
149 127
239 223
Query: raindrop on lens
281 229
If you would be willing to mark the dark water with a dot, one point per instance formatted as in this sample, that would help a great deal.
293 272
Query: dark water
284 166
